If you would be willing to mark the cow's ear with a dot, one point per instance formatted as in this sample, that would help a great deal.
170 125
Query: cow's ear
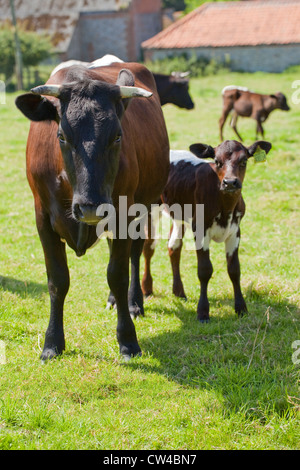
202 150
259 145
125 78
36 107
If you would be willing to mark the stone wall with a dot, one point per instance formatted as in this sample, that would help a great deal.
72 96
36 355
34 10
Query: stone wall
248 59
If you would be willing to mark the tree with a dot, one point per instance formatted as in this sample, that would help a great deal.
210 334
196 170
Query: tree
178 5
34 48
190 5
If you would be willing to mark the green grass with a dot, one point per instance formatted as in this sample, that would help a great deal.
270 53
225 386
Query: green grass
230 384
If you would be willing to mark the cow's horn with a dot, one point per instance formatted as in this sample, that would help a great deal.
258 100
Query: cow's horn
48 90
130 91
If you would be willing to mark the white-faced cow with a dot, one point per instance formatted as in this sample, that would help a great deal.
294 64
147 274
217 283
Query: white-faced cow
245 103
218 187
88 144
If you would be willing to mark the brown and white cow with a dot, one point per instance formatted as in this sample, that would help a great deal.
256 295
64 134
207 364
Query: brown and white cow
217 186
245 103
88 144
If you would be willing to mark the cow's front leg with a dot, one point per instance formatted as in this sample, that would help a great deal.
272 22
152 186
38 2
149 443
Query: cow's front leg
135 295
58 285
205 271
118 280
233 268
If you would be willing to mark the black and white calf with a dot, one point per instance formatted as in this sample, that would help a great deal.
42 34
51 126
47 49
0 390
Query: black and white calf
218 186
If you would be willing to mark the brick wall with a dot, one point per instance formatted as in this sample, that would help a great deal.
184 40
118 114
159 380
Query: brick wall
119 33
98 34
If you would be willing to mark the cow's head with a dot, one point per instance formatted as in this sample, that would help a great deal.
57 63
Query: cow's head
178 92
280 101
88 113
230 161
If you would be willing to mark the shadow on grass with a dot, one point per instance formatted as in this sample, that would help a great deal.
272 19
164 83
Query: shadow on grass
241 359
23 288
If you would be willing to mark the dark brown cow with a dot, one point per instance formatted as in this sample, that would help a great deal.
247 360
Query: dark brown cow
173 89
89 145
245 103
218 187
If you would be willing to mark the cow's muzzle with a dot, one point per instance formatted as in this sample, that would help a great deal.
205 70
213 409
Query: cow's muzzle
86 214
231 185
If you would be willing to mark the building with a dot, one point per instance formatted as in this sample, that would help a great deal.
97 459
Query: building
88 29
255 35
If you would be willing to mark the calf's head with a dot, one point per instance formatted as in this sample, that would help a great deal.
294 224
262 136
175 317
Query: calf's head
280 101
88 113
230 161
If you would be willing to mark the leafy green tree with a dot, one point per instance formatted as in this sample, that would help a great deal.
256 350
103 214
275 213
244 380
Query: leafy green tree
178 5
190 5
34 48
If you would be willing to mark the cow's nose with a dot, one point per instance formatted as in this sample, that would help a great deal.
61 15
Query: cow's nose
86 214
231 184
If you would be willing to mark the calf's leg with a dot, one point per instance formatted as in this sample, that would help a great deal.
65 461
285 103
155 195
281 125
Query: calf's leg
227 107
205 271
233 125
147 281
175 247
233 268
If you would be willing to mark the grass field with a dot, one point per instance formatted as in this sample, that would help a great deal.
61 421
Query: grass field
229 384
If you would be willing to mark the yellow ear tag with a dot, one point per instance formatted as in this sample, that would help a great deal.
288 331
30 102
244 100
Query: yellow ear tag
259 155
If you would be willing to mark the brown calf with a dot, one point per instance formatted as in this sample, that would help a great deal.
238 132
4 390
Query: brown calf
218 187
248 104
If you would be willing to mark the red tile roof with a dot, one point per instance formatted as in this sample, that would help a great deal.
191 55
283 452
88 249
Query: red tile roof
224 24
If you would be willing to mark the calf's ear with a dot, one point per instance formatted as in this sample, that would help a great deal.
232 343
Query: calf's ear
36 107
202 150
259 144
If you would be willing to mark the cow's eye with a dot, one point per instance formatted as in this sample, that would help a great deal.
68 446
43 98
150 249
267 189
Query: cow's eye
118 139
243 163
218 164
61 137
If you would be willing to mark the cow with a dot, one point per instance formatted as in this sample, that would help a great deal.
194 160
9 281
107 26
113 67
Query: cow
89 143
107 59
216 185
246 103
174 89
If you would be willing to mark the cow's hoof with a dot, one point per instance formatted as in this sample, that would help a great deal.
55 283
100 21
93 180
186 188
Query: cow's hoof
48 354
127 358
136 311
129 351
204 320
